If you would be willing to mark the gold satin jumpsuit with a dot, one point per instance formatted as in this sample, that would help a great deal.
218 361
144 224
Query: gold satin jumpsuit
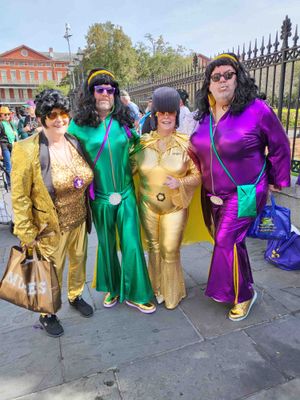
164 211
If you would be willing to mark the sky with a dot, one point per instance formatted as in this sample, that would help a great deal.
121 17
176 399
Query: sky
204 26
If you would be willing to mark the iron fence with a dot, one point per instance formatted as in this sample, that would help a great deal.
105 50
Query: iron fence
275 66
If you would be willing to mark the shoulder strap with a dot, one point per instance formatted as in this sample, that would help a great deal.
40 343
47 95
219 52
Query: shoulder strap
102 144
216 153
128 131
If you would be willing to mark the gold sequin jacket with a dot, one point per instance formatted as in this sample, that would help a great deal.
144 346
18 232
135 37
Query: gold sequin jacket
33 192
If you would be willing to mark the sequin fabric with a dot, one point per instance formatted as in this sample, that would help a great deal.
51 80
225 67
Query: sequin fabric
69 201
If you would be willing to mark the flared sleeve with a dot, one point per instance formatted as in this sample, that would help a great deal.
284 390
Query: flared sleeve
279 154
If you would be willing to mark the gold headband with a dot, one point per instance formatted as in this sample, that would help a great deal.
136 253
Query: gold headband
101 72
225 55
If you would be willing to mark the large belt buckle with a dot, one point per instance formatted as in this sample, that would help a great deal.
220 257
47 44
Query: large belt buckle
115 199
216 200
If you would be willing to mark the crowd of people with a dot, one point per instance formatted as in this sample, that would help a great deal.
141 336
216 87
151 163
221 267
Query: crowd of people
123 172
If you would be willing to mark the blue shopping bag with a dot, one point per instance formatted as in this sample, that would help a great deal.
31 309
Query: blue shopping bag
285 253
274 222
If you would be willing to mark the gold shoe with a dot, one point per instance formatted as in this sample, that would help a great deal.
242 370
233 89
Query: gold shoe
241 310
146 308
109 300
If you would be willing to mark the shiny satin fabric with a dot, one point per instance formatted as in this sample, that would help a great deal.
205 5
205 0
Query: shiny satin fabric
131 280
228 281
163 211
72 244
164 234
241 141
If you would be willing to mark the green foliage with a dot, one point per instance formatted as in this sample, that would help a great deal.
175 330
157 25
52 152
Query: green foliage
163 60
292 117
110 48
64 88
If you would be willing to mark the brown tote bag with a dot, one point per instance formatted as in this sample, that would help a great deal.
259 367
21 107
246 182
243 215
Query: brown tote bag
30 283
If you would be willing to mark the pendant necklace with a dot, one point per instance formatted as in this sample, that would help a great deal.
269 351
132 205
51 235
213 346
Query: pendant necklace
78 182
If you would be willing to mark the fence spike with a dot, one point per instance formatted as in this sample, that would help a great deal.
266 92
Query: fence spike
262 47
244 52
276 43
238 52
286 32
296 37
255 49
249 51
269 45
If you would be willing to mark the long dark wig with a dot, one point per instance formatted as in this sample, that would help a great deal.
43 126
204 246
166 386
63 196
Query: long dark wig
246 90
86 112
47 100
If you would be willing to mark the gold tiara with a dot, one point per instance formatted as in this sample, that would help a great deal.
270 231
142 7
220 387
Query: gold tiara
100 72
225 55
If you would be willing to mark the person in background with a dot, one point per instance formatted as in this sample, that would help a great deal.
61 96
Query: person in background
145 122
134 110
184 110
31 123
8 136
20 128
49 181
247 136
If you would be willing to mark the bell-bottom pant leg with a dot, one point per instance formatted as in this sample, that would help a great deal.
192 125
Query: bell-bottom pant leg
135 282
171 234
150 222
164 236
108 270
230 277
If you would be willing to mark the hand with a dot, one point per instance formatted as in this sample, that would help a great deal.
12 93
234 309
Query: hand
172 183
274 188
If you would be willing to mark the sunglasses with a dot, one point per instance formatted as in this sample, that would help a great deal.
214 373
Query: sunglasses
227 76
165 114
53 115
101 89
5 115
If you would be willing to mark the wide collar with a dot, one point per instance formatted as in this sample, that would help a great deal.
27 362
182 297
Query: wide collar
176 139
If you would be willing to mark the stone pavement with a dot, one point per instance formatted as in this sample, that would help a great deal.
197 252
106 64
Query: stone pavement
193 352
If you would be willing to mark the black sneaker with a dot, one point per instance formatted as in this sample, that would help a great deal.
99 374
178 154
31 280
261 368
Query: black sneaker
51 325
84 308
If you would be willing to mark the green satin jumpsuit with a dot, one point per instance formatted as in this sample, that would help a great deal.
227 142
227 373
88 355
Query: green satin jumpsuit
113 174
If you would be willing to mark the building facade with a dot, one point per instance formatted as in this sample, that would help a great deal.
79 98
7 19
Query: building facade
23 69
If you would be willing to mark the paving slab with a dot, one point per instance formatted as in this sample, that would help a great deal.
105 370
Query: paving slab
121 335
275 278
13 317
30 361
288 297
96 387
286 391
256 250
279 342
210 317
217 369
196 261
